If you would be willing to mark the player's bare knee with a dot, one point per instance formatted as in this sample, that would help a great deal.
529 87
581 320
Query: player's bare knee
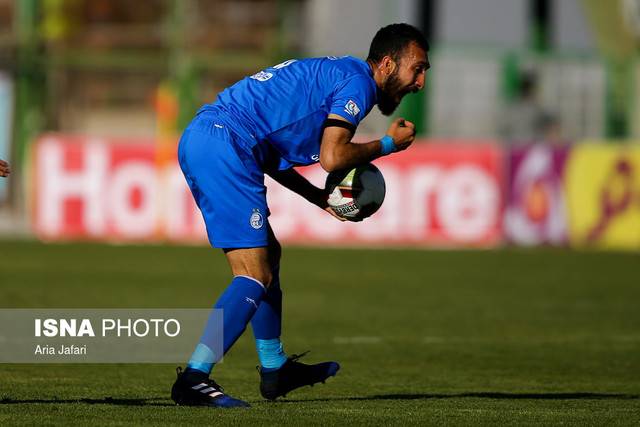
263 276
258 272
252 263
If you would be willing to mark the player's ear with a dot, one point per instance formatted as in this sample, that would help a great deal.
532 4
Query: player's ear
392 66
387 65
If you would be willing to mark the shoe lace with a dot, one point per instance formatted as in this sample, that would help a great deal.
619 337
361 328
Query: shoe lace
295 357
209 381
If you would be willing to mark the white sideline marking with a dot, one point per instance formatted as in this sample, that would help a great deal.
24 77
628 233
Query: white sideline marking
532 340
357 340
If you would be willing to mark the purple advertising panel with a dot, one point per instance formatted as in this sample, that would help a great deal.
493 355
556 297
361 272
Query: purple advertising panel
535 211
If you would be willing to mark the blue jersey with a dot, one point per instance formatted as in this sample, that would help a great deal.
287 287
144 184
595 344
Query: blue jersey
285 106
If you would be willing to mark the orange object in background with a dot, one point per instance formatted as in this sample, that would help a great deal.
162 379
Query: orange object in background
166 107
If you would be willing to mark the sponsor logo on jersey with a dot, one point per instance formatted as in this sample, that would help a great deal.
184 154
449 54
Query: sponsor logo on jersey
262 76
352 108
315 157
256 220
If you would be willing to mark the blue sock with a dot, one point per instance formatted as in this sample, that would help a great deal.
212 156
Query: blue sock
271 354
267 322
239 303
267 326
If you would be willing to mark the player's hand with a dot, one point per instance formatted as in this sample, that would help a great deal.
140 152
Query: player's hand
403 133
320 199
334 214
4 168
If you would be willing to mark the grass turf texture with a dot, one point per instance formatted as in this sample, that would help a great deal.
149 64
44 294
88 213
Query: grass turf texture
424 337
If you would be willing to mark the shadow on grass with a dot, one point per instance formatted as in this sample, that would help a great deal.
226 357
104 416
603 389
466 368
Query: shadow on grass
160 401
153 401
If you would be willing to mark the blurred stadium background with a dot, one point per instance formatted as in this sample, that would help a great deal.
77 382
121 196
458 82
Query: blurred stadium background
528 136
528 126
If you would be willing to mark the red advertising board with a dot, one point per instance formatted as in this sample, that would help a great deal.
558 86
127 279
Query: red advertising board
87 188
443 193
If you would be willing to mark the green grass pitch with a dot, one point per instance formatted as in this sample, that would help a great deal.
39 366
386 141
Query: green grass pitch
424 337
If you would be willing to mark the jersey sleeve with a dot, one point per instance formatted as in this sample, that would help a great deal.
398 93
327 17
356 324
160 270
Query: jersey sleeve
353 99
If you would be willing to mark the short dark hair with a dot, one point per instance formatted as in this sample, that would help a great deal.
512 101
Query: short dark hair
393 39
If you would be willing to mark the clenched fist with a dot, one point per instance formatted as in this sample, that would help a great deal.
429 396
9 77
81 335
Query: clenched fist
4 168
403 133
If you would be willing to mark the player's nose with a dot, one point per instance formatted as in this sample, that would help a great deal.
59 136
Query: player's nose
419 83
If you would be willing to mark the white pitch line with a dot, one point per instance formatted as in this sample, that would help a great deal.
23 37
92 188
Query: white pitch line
357 340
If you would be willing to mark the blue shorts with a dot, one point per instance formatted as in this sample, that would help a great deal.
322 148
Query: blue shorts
227 183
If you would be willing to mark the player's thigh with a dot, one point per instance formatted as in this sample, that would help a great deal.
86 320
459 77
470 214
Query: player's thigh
228 189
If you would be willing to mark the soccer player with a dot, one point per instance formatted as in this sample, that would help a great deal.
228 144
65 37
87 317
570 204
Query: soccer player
296 113
4 168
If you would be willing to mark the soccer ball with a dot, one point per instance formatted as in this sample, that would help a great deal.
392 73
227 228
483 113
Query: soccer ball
356 194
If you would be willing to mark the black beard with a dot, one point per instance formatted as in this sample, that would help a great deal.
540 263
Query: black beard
386 104
387 94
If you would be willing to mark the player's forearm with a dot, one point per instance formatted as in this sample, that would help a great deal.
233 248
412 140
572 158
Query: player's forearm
343 156
298 184
338 152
